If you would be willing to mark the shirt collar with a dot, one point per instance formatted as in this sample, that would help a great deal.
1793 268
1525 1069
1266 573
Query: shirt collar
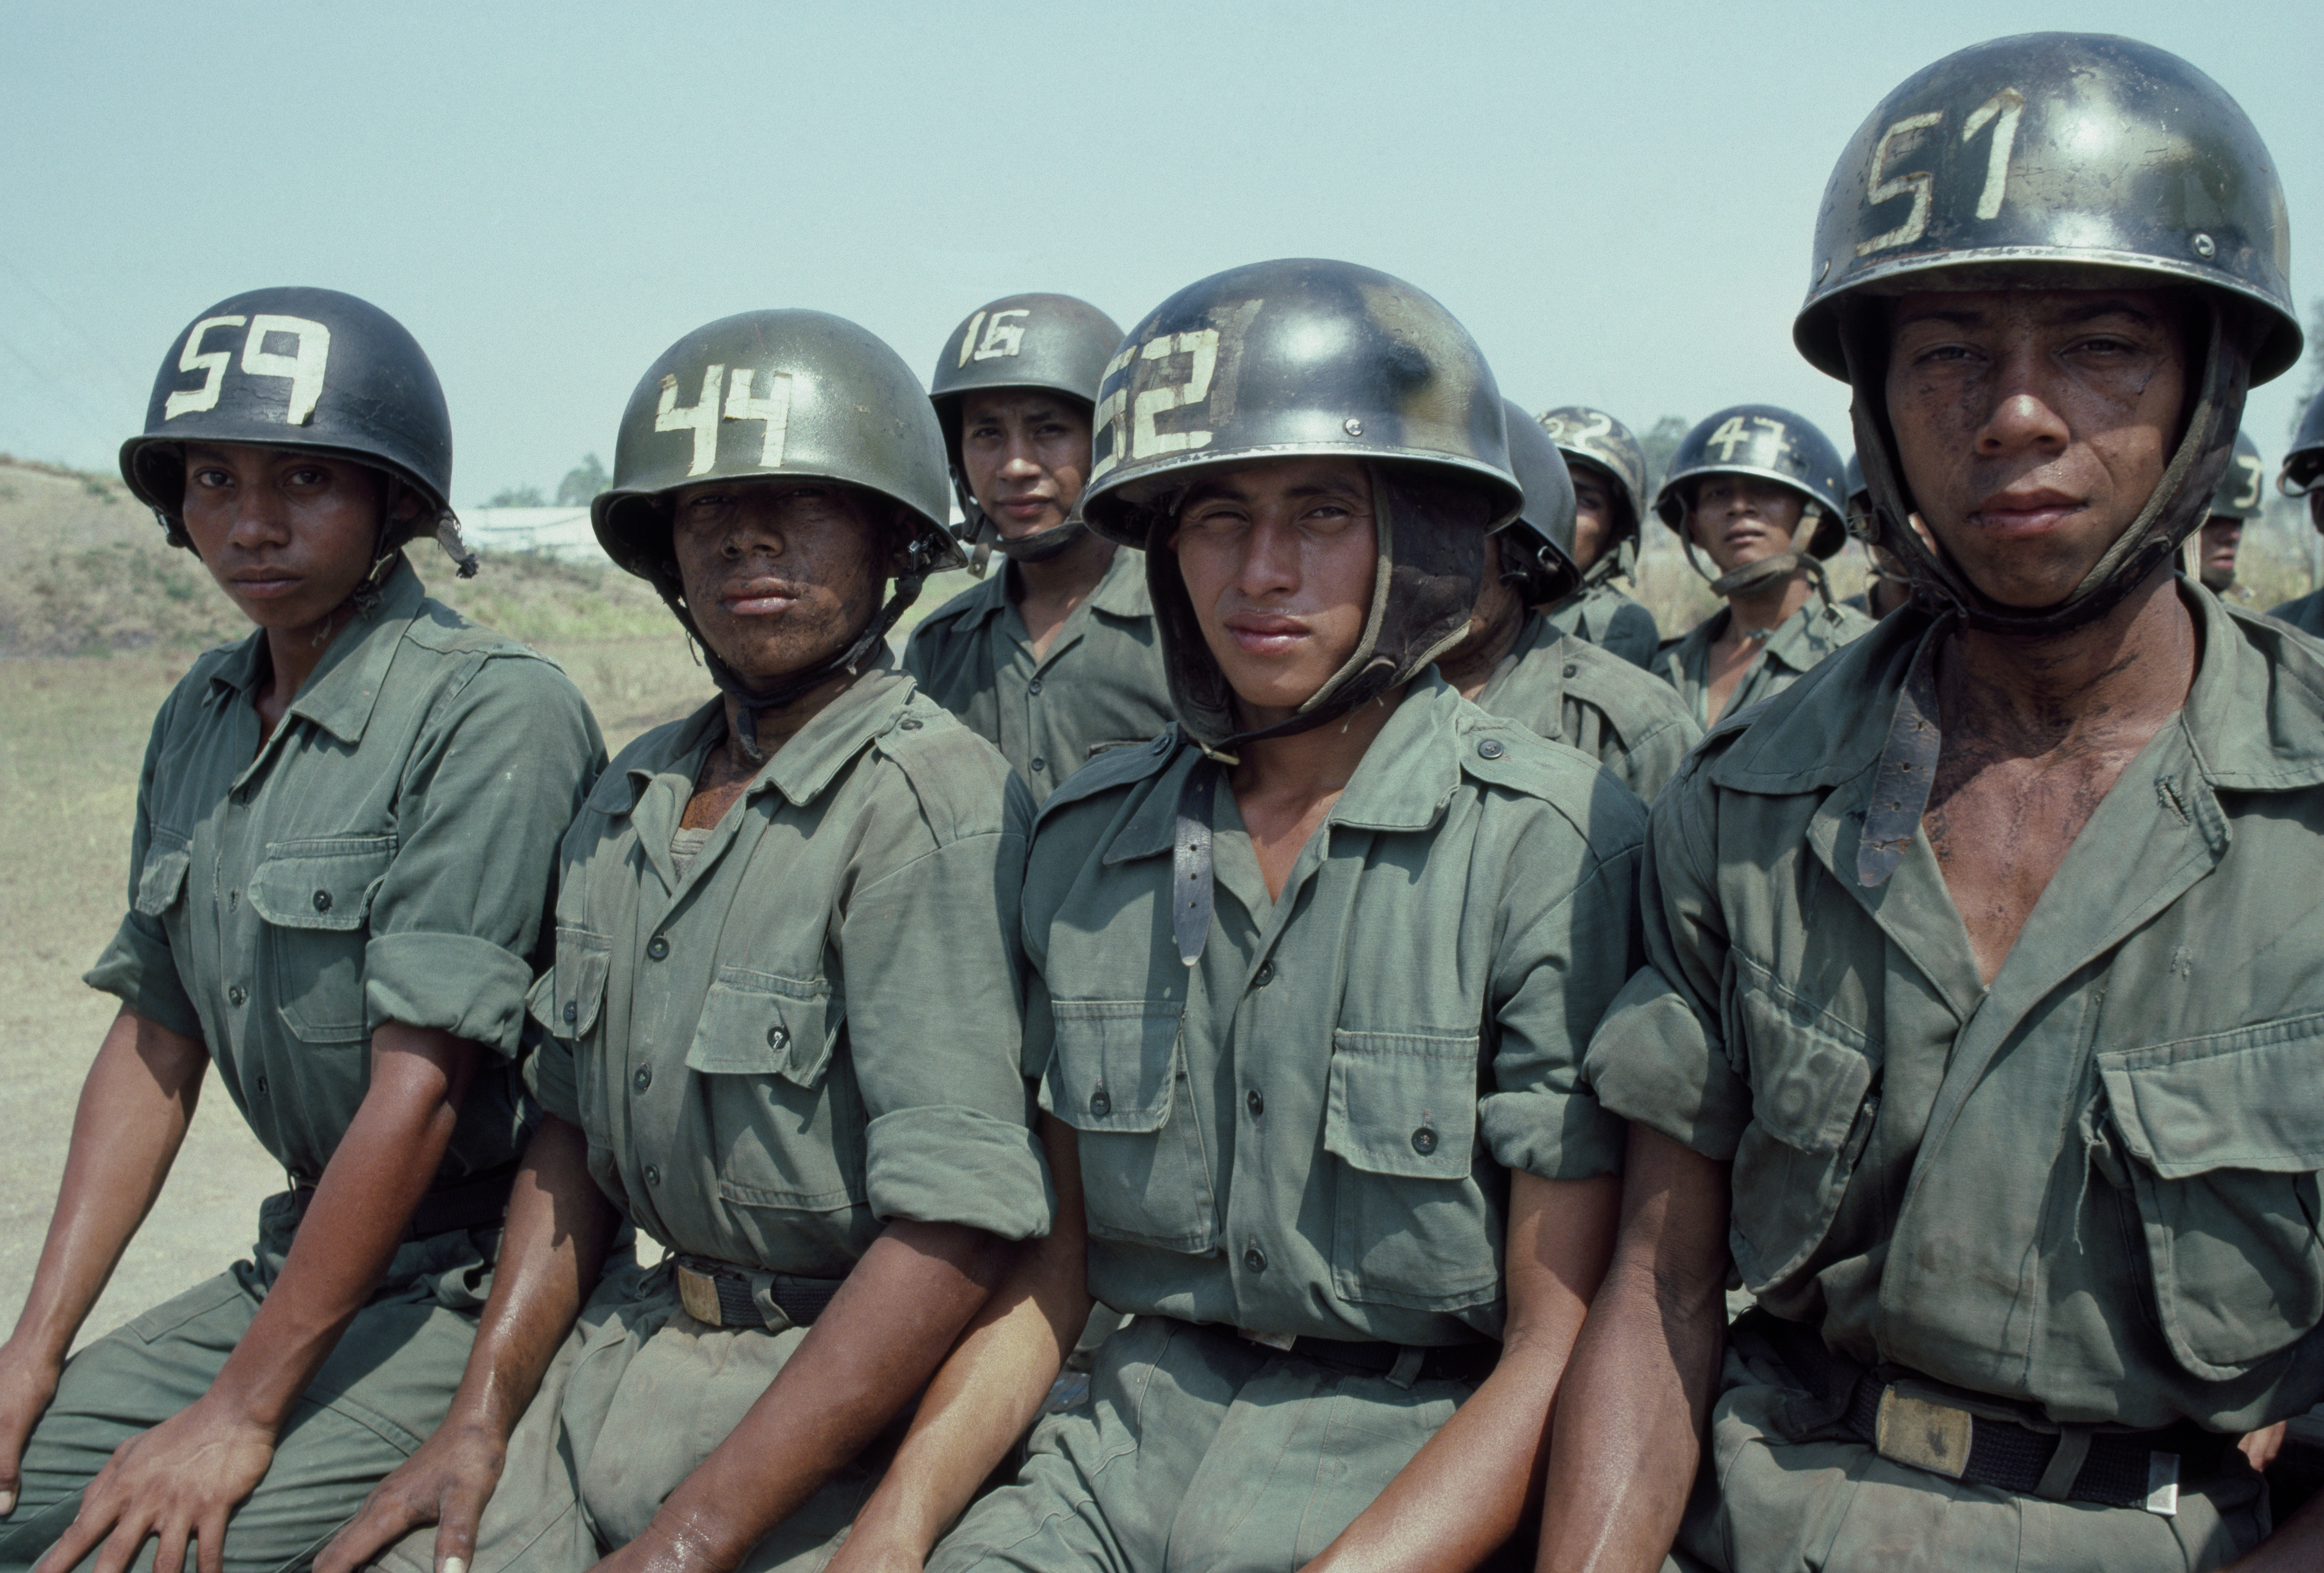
1122 591
340 694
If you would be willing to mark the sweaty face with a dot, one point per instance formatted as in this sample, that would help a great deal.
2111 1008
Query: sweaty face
287 534
1279 562
1594 511
1026 453
780 575
2033 425
1743 519
2215 557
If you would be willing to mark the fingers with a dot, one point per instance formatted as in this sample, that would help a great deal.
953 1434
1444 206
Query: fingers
456 1533
90 1526
387 1516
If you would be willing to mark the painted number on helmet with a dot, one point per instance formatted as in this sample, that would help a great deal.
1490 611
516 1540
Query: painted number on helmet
702 416
1598 428
1116 408
2250 486
302 360
1002 335
1735 432
1999 114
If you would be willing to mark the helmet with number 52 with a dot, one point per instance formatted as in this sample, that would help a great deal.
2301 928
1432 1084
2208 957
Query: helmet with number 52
2056 160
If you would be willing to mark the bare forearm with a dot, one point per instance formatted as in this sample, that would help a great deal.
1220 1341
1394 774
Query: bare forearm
136 1104
892 1322
363 1205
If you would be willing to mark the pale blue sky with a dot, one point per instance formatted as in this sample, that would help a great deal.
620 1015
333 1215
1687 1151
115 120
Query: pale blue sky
1617 200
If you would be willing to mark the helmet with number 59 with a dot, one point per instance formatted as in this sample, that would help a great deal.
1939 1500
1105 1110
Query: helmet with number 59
2056 160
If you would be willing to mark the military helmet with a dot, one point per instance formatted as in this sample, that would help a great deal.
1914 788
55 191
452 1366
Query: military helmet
1537 548
293 367
1593 437
2243 484
1018 341
2063 161
2304 464
1773 443
1304 358
787 393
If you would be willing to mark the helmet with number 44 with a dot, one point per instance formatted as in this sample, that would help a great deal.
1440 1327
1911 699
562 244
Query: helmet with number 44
2056 160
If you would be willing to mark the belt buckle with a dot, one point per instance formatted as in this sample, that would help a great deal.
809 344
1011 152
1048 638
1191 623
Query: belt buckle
1265 1340
1923 1433
698 1293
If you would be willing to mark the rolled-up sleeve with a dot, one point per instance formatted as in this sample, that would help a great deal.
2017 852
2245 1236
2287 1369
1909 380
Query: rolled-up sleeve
497 776
936 1026
1660 1057
138 966
1571 933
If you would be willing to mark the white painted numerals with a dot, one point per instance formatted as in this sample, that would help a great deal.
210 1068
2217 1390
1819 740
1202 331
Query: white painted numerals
303 364
702 416
1116 408
1736 432
2251 480
1998 116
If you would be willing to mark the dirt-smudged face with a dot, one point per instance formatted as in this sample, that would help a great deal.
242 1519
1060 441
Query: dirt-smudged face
288 533
780 575
1278 560
1026 454
2033 425
1743 519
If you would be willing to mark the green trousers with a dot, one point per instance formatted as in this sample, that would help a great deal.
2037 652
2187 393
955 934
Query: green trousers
384 1388
1786 1505
637 1397
1199 1451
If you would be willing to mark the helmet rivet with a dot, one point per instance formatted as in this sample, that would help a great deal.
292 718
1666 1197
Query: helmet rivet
2205 246
1352 427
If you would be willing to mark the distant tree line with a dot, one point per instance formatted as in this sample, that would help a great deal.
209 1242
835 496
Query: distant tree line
580 486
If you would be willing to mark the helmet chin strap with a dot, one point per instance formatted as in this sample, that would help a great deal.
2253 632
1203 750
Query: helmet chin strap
1038 547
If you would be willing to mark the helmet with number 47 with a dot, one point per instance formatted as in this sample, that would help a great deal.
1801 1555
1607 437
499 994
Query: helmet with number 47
1774 444
2056 160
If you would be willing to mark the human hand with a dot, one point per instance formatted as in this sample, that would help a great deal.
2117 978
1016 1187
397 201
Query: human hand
445 1483
175 1482
27 1383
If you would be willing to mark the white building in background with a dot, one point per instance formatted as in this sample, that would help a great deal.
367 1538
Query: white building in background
562 533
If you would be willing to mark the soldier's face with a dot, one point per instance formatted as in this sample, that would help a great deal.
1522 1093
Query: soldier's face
1279 561
2033 425
1593 511
1742 518
287 534
1027 455
2215 557
780 575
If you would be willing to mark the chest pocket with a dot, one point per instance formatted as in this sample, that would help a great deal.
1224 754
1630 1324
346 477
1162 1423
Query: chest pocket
788 1130
1119 1078
162 880
1412 1224
2227 1135
1812 1105
314 897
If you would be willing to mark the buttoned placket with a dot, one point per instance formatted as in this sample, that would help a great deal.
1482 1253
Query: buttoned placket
1027 676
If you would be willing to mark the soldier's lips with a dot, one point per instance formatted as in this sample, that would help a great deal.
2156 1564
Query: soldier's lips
2024 513
761 598
1266 636
265 584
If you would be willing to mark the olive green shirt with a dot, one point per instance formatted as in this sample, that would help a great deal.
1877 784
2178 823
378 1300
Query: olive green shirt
1794 646
815 1028
1634 724
2091 1187
1309 1132
386 855
2306 613
1601 615
1101 684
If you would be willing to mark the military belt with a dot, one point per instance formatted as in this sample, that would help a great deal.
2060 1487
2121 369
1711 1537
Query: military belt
721 1296
480 1202
1402 1363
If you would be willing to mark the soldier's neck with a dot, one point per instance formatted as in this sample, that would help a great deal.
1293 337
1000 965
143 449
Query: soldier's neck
1769 608
1047 593
1470 665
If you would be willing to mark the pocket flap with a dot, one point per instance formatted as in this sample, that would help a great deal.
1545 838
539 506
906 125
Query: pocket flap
1403 1104
566 1001
1809 1079
326 883
2240 1100
163 878
1116 1063
759 1023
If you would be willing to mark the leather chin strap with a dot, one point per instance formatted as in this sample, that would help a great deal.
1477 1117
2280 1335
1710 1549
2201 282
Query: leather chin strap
1038 547
1613 563
755 702
1767 571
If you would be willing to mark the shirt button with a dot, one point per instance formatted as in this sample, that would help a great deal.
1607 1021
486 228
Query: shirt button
1424 1140
234 995
1101 1101
259 1087
909 723
1255 1102
572 1011
1571 668
322 901
643 1079
1162 743
1254 1258
777 1037
233 898
1490 749
1034 687
1040 763
657 948
1264 975
653 1175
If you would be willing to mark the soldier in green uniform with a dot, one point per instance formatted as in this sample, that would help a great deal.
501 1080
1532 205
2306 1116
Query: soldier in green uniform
346 830
783 1020
2303 466
1982 1022
1609 469
1515 662
2242 486
1054 659
1743 486
1309 973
